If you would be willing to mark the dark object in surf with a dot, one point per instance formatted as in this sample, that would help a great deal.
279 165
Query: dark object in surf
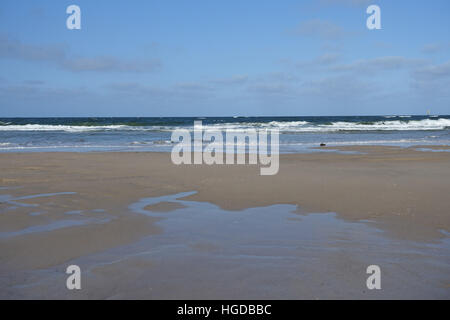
323 145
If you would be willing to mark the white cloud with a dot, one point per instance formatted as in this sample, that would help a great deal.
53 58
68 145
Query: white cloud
59 56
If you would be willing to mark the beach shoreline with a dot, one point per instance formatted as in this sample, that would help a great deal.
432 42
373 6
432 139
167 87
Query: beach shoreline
401 191
315 182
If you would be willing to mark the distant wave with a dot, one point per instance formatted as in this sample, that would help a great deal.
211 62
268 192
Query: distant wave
393 125
47 127
242 126
283 126
390 117
337 126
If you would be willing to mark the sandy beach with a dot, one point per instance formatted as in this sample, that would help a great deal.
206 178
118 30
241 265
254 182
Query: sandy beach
224 150
57 208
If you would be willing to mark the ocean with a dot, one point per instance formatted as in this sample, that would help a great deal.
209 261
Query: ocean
297 134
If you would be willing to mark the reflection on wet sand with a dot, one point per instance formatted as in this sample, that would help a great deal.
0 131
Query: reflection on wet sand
257 253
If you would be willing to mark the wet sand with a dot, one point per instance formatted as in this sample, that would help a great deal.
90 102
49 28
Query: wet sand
80 211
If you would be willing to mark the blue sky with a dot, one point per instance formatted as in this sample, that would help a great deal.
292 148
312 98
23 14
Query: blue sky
213 58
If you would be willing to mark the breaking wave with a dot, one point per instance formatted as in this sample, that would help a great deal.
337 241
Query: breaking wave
283 126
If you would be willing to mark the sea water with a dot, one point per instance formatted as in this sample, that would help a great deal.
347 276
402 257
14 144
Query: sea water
297 134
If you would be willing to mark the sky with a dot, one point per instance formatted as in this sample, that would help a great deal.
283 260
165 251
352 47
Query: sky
224 58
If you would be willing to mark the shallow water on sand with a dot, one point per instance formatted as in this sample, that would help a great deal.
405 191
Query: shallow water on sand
271 252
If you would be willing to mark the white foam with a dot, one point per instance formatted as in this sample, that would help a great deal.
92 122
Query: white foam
43 127
396 125
283 126
304 126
